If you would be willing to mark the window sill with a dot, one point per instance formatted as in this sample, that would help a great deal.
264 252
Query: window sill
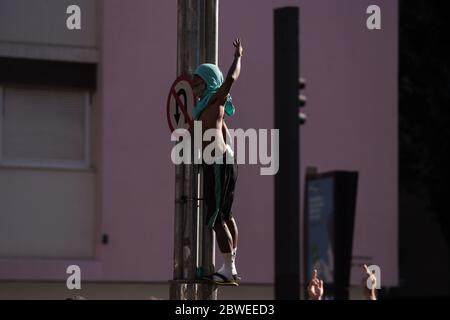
12 166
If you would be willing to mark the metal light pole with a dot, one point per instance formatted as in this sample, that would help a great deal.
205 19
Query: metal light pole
193 242
210 55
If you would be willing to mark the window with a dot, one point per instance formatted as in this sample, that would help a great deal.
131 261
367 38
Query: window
44 127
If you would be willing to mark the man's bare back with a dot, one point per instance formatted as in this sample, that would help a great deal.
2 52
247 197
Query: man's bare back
213 118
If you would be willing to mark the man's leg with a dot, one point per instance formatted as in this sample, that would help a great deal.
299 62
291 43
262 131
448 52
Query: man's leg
224 237
225 242
226 229
232 226
230 223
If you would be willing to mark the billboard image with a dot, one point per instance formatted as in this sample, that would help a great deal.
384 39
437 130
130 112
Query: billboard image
320 228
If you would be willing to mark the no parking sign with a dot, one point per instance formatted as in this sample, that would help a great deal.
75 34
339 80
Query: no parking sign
180 103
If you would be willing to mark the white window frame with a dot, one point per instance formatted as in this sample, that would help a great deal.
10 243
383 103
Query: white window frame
50 163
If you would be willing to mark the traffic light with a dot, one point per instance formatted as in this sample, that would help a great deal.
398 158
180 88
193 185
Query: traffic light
302 100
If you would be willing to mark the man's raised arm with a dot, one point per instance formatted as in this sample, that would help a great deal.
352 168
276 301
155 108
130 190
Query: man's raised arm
233 72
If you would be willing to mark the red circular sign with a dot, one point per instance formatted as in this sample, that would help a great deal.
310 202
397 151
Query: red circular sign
180 102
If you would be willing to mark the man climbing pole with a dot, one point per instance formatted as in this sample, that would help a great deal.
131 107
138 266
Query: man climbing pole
214 102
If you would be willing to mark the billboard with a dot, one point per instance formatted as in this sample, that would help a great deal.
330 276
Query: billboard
320 226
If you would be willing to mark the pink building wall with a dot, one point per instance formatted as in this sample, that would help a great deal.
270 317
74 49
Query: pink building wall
351 77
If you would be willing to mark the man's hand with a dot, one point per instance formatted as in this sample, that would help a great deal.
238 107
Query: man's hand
238 48
315 287
371 280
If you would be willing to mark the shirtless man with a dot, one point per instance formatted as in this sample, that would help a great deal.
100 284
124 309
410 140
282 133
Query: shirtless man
214 102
